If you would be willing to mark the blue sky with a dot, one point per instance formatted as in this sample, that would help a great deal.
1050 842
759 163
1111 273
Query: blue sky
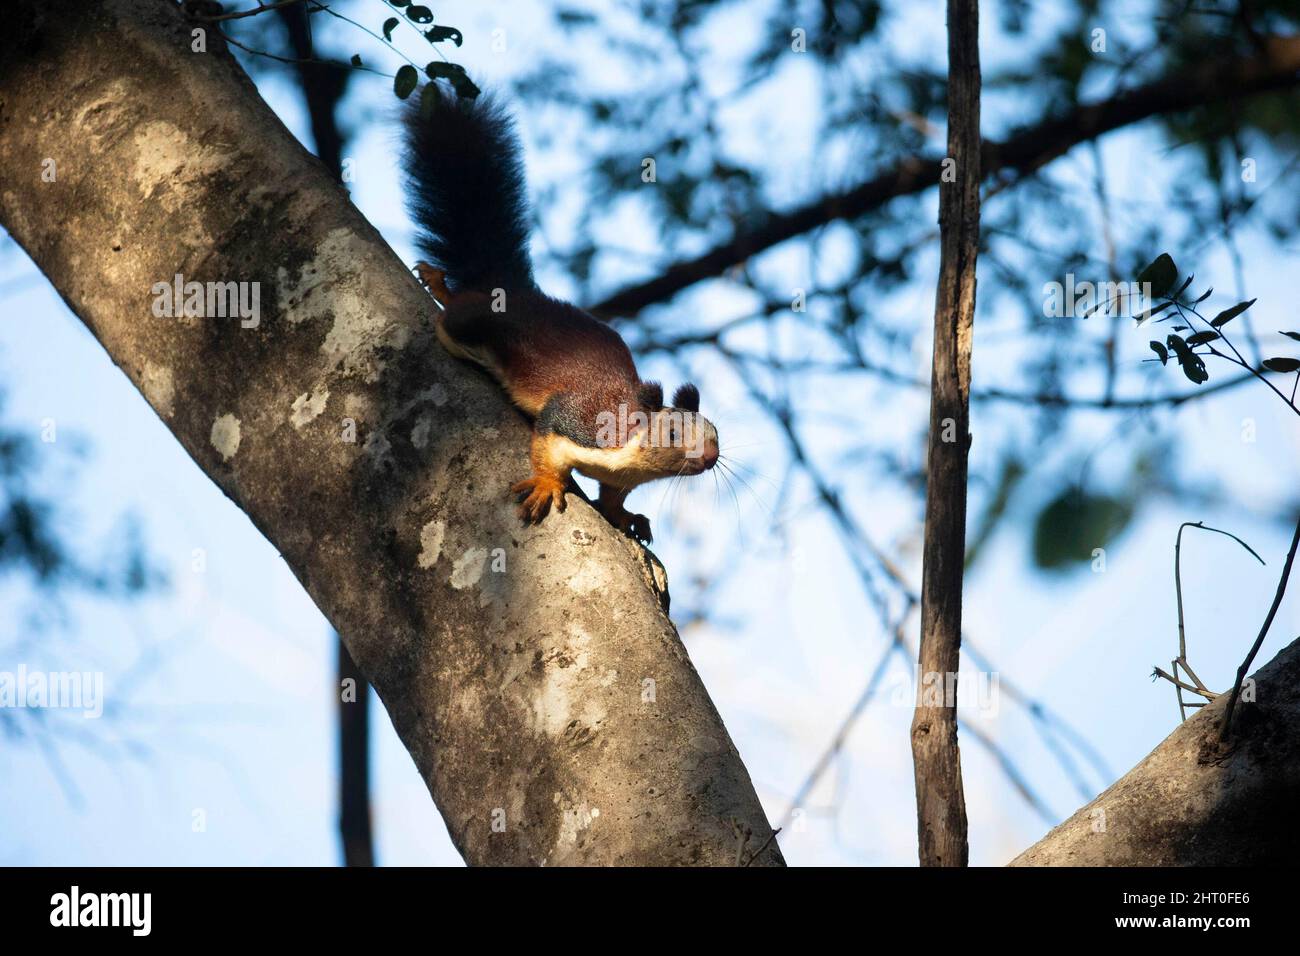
223 687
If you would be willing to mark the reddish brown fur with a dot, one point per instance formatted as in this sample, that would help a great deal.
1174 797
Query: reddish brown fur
539 348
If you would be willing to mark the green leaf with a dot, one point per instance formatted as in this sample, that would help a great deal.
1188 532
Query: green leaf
1227 315
1292 335
438 34
356 59
417 14
405 82
1200 338
1071 527
1282 364
1161 351
389 24
1162 274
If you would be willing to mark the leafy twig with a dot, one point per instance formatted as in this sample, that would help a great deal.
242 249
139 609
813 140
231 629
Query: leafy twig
1181 660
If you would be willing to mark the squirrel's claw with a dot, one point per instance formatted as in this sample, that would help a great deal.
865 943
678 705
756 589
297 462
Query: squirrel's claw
536 495
638 526
633 525
434 280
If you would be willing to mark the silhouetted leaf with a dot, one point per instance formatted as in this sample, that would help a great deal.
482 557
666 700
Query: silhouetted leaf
456 75
1162 274
1282 364
389 24
1161 351
1200 338
1193 365
1227 315
428 100
438 34
356 59
1196 372
405 81
1204 295
418 14
1292 335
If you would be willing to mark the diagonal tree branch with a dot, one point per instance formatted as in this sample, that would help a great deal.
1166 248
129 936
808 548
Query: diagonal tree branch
1275 66
323 87
532 674
1197 800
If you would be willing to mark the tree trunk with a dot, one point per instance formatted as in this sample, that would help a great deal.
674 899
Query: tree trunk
1196 801
355 830
323 87
940 801
532 673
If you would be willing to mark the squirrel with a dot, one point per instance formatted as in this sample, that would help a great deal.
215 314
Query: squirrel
570 373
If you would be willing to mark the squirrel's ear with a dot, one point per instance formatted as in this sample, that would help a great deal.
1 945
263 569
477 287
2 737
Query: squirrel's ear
687 397
650 395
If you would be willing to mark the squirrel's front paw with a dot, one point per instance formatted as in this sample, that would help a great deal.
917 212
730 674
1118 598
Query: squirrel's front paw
638 526
536 495
634 526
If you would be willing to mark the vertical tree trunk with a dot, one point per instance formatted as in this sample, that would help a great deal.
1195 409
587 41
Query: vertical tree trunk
354 764
940 801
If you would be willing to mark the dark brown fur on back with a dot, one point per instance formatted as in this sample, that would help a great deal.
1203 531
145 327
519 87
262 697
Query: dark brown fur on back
544 348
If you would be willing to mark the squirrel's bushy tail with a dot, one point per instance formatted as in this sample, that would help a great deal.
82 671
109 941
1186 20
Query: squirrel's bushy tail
466 192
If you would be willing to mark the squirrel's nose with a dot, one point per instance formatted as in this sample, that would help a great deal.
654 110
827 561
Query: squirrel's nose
710 456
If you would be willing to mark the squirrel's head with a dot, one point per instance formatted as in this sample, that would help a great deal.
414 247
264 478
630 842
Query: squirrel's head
675 439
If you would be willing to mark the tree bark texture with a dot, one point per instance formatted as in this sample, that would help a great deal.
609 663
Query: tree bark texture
1199 801
940 801
532 674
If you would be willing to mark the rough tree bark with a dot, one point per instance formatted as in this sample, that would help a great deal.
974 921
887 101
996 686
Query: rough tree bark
1196 800
323 87
533 675
940 801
